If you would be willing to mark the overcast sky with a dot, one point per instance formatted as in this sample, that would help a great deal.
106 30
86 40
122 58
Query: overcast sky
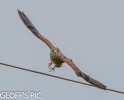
90 32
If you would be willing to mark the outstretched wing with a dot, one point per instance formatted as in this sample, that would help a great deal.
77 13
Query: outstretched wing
79 73
31 27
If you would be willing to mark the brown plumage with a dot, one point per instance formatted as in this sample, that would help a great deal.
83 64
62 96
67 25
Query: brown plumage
56 56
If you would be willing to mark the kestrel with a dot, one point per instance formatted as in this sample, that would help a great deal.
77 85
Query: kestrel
56 56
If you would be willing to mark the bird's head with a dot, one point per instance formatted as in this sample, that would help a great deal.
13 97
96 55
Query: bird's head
56 52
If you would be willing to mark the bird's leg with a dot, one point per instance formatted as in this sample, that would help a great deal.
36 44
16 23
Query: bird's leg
52 69
49 64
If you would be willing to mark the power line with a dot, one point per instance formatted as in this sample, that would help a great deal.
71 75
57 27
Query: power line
57 77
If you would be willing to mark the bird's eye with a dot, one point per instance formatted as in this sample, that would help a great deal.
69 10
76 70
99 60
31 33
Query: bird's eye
57 50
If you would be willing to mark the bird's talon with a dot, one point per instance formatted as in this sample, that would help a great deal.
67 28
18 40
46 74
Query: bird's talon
52 69
49 64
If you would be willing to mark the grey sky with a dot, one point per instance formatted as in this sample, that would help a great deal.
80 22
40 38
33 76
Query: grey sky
90 32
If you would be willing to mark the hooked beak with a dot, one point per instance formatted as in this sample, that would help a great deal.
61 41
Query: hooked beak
55 51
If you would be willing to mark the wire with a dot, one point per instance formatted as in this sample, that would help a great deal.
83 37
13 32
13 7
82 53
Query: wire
56 77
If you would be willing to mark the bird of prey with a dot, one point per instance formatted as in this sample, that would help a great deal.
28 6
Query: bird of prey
56 56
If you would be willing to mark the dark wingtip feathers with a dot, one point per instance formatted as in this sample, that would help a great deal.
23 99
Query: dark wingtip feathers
91 80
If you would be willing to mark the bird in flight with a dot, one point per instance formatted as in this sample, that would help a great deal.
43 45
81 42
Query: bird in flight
56 56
